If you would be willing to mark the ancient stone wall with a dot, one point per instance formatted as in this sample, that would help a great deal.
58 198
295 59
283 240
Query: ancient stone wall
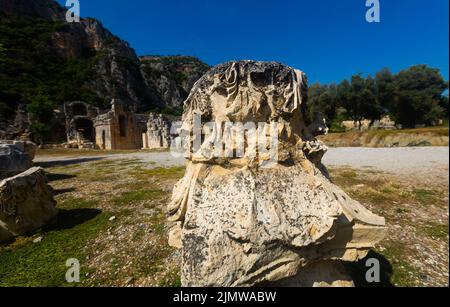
119 128
158 133
79 120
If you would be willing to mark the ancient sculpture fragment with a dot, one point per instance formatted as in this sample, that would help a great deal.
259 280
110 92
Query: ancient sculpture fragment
243 219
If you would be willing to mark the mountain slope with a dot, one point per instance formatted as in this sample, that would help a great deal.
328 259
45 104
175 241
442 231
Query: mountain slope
172 77
42 54
65 61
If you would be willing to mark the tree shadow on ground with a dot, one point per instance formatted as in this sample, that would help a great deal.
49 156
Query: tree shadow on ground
67 162
68 219
56 177
358 270
63 191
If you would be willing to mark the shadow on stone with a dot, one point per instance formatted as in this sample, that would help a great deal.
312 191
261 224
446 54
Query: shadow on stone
68 219
55 163
358 270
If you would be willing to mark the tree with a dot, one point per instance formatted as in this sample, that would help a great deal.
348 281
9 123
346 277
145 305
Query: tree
350 96
371 106
444 104
319 100
2 54
419 96
41 111
324 99
385 88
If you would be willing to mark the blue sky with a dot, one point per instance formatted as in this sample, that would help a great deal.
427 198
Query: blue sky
328 39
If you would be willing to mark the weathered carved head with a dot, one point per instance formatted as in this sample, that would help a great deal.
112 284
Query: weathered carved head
249 91
257 92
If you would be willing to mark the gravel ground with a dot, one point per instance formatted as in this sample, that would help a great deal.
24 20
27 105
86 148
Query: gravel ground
427 164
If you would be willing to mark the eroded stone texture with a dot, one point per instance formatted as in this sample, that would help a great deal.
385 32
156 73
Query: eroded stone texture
242 224
26 203
158 132
15 157
119 128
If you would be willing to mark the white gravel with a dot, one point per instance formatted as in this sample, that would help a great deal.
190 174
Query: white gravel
431 163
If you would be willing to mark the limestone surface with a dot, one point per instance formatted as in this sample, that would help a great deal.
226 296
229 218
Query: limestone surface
241 223
15 157
26 203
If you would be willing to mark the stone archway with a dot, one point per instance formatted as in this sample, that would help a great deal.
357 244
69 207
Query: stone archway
103 139
85 127
79 109
123 126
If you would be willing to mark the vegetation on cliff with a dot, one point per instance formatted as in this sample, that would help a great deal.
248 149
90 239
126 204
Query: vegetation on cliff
43 57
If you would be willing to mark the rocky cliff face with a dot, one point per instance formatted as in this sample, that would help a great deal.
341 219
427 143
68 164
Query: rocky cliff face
110 64
172 77
40 53
47 9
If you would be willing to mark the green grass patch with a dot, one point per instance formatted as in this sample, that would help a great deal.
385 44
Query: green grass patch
436 231
43 264
137 196
424 195
171 280
160 173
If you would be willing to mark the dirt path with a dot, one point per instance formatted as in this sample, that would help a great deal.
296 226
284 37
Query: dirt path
430 165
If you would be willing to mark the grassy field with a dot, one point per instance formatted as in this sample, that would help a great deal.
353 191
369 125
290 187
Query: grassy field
112 220
415 252
89 152
431 136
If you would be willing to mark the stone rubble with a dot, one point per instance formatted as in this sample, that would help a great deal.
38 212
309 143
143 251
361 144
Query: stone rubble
26 203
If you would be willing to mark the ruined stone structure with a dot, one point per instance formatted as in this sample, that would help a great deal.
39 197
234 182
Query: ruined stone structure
158 133
79 118
239 223
119 128
386 123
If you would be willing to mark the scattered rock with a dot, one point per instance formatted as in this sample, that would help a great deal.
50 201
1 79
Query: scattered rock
175 236
15 157
37 240
26 203
112 218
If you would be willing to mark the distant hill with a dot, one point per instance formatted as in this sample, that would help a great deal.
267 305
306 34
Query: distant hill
40 53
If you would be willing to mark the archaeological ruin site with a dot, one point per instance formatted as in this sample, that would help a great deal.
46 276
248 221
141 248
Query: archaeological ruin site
224 151
118 129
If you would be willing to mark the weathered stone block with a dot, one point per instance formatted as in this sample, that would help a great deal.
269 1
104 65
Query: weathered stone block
26 203
15 157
